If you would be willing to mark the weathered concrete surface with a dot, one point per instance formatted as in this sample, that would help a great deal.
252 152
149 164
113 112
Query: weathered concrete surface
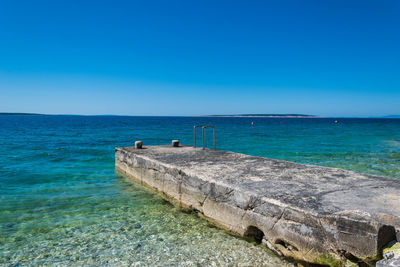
310 213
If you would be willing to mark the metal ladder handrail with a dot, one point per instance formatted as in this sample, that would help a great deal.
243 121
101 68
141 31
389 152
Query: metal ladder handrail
204 134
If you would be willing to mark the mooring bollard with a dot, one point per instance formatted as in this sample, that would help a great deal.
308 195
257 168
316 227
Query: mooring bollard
175 143
138 144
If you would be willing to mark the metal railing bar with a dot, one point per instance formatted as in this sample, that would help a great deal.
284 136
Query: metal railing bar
204 135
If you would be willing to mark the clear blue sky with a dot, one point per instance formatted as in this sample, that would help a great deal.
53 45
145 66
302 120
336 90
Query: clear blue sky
330 58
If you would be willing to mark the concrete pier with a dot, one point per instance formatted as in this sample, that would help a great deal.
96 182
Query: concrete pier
309 213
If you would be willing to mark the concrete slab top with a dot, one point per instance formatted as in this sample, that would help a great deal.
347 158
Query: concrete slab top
315 189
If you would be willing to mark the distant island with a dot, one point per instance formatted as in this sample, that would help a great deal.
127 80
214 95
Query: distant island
268 115
392 117
16 114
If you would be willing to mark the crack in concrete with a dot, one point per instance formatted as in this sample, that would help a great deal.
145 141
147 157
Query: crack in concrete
279 218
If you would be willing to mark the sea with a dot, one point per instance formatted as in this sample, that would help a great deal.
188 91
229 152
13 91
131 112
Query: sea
63 204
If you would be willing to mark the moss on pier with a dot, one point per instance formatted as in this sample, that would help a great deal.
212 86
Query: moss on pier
395 247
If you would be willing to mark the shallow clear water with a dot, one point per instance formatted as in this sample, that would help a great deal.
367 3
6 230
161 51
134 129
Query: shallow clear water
62 203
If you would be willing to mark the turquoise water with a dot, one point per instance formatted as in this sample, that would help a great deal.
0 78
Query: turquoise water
61 201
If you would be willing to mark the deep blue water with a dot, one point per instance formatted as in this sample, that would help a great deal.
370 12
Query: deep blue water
61 201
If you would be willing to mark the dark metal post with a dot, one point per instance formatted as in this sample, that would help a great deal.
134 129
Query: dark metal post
214 136
194 129
205 137
202 135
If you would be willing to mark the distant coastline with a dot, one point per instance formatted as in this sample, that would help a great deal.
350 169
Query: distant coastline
224 116
267 116
19 114
392 117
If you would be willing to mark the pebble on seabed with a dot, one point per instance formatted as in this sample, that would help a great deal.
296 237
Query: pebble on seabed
169 244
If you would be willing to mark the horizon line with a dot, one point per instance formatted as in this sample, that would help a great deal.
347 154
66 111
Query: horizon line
244 115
